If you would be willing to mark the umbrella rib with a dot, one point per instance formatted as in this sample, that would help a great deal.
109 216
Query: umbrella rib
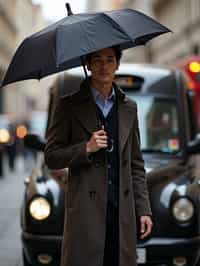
124 30
116 24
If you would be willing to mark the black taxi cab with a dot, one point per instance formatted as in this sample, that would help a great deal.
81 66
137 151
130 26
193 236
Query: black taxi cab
170 148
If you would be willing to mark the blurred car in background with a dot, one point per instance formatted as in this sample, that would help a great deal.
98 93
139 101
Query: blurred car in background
13 129
191 66
171 152
32 123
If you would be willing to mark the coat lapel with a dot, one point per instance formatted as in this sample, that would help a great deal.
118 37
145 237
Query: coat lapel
126 117
84 108
125 122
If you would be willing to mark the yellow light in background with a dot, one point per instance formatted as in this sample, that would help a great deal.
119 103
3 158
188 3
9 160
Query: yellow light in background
4 136
194 67
21 131
130 81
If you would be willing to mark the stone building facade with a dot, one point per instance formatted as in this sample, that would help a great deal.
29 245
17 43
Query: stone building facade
96 5
8 36
19 19
181 16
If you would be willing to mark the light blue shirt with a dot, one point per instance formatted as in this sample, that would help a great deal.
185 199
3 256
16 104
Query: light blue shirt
105 104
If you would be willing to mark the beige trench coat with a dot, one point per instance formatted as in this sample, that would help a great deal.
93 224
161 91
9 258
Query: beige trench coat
73 123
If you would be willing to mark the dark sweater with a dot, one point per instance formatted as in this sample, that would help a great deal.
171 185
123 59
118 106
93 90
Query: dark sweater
111 252
111 127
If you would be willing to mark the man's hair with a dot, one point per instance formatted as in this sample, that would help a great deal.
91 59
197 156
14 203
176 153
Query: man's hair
117 50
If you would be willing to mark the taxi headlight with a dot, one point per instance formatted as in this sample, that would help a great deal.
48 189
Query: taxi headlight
39 208
4 136
183 210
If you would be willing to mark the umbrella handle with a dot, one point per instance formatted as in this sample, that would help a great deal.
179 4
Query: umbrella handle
69 11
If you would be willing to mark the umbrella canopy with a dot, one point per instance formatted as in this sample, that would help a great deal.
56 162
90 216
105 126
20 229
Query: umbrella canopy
63 45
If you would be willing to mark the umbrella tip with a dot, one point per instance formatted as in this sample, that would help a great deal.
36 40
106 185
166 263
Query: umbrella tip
69 11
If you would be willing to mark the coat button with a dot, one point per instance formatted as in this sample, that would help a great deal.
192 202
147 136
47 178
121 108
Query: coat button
109 182
126 192
96 164
108 166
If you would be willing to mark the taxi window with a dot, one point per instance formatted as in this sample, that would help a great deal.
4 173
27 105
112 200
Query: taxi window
158 122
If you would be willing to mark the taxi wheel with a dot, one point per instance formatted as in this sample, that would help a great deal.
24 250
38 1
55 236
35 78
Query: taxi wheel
25 261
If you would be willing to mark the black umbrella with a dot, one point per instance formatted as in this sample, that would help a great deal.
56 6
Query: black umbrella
64 44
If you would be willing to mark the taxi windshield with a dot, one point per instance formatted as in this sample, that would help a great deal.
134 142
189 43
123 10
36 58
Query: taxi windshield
158 123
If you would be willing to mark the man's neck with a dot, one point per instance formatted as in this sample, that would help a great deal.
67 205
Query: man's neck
104 89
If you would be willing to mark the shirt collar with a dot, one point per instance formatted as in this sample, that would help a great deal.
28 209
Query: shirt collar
97 95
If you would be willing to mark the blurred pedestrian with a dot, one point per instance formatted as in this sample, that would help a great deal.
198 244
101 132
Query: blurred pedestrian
94 132
11 148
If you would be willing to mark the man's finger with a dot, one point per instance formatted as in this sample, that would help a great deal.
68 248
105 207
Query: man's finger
146 232
146 226
102 137
102 145
100 132
142 227
99 141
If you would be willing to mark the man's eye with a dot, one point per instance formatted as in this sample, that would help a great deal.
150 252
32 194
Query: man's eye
95 60
100 60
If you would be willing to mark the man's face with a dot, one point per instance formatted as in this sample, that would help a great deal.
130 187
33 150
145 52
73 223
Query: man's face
103 65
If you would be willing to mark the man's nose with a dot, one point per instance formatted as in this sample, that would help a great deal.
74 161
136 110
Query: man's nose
104 64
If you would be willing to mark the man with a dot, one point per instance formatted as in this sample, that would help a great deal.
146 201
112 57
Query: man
95 134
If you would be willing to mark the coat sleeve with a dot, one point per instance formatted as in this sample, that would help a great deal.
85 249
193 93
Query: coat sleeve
59 152
139 183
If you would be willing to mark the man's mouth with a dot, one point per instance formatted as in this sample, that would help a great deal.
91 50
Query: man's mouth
104 74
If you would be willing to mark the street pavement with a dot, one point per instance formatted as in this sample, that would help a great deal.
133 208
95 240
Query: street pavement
11 193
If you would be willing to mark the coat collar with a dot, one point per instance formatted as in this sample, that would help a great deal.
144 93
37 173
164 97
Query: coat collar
84 108
85 94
